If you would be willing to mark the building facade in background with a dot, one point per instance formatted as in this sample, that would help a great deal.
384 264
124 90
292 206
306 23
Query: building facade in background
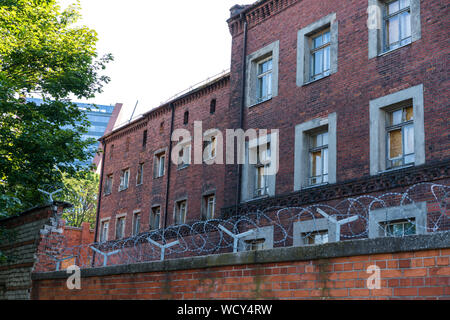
355 94
101 118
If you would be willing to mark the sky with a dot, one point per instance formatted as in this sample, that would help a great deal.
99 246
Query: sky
160 47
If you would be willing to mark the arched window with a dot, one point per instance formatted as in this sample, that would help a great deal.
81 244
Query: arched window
186 117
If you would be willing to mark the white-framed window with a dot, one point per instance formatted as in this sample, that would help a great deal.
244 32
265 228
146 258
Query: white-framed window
260 167
398 221
104 231
210 148
159 165
140 174
124 179
320 54
262 74
155 218
180 211
315 152
397 24
397 130
264 79
109 184
318 158
316 237
315 231
261 171
184 156
136 223
317 50
120 227
399 228
393 24
260 239
400 137
209 207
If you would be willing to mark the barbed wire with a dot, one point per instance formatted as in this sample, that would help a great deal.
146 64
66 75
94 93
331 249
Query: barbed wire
273 227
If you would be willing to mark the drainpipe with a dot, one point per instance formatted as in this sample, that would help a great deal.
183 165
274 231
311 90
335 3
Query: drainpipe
169 165
99 201
241 113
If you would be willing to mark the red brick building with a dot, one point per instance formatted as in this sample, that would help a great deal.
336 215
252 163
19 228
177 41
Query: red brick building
358 92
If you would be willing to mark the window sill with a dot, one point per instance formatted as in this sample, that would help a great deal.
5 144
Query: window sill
122 190
391 50
158 178
182 167
315 186
397 168
313 81
259 102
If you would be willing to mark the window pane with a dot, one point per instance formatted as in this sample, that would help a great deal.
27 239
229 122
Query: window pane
409 139
326 58
317 41
409 113
325 161
396 117
318 62
395 144
326 37
269 85
404 4
393 7
325 139
316 165
405 21
393 30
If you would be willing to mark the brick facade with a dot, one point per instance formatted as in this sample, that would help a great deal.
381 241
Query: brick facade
347 93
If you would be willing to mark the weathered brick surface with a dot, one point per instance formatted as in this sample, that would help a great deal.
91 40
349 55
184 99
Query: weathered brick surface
315 279
21 250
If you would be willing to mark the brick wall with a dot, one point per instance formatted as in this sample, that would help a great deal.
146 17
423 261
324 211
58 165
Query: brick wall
333 271
21 248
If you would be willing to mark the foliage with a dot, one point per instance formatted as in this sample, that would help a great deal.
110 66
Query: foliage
43 53
81 191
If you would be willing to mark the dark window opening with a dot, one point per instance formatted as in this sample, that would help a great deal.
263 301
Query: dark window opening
186 117
212 108
144 139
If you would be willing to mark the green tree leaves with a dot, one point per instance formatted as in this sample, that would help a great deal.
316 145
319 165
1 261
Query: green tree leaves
43 53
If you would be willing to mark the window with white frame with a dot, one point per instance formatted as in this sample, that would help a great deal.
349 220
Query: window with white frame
155 217
316 237
260 239
260 167
400 221
108 184
395 23
318 158
317 50
320 54
210 148
124 179
184 156
180 211
315 152
136 223
314 231
400 137
262 74
140 174
120 228
159 165
264 79
397 135
209 207
104 231
261 170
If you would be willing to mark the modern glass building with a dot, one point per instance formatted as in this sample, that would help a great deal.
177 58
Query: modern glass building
98 116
